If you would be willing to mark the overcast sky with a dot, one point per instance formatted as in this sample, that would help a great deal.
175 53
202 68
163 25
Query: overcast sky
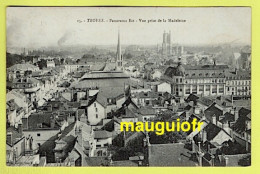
53 26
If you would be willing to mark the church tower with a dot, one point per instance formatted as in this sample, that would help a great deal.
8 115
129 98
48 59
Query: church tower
119 57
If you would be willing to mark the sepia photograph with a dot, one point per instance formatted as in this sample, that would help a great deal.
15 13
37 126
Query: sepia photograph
128 86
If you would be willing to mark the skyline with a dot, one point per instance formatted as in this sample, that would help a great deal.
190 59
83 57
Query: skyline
60 26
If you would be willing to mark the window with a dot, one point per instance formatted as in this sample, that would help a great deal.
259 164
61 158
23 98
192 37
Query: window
214 89
201 87
221 89
194 89
96 109
95 105
207 87
96 115
39 125
38 134
177 80
187 90
180 80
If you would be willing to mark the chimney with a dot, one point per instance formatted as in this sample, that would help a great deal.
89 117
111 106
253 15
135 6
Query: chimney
214 119
110 159
199 146
212 160
236 114
247 127
200 157
193 146
209 151
226 160
204 136
140 163
25 123
144 142
203 115
20 131
52 121
9 138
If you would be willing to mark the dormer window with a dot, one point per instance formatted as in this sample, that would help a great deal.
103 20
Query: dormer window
39 125
109 100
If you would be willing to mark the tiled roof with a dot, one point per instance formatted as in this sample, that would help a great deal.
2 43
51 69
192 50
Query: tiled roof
102 134
240 124
112 92
239 75
212 131
40 118
93 83
16 136
205 101
228 117
67 130
129 114
213 111
192 97
146 111
30 80
243 112
102 75
97 161
24 67
149 94
102 100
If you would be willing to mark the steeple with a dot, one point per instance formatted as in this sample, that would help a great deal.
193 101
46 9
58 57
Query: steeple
119 57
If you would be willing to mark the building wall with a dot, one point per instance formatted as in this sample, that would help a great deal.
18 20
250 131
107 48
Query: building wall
96 112
221 137
164 87
204 86
40 136
18 149
238 87
119 102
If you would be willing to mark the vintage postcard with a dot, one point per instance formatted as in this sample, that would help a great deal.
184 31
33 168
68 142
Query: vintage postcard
128 86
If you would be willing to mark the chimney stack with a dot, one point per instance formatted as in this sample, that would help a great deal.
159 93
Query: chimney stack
204 136
236 113
52 124
212 160
226 160
193 146
20 130
9 137
214 119
25 123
